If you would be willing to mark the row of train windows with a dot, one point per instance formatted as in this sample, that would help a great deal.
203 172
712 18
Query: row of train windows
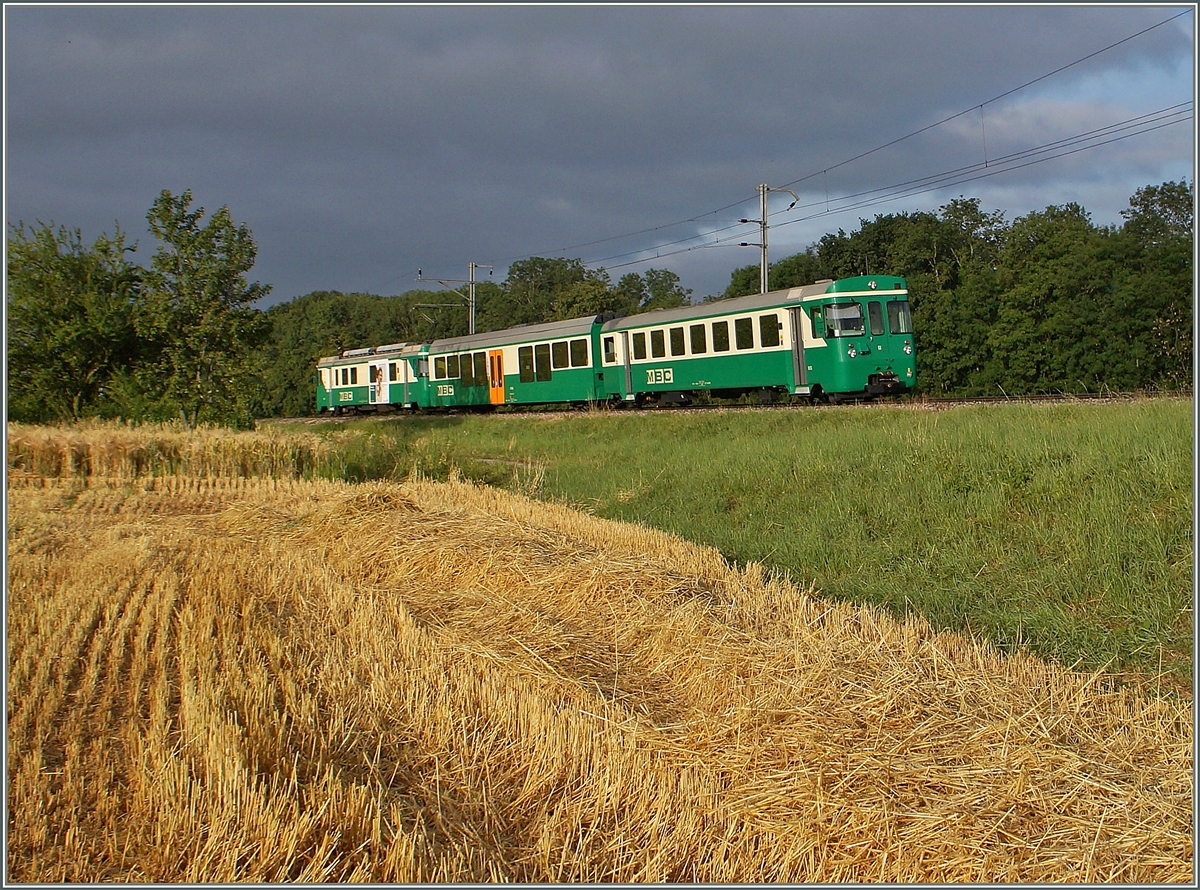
832 320
846 319
537 362
469 369
697 337
349 376
534 362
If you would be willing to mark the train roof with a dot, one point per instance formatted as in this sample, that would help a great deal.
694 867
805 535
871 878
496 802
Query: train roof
358 356
551 330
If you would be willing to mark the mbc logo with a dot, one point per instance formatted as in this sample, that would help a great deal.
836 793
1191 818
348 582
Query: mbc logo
660 375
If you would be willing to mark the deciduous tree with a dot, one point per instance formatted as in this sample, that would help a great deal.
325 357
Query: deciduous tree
70 329
198 313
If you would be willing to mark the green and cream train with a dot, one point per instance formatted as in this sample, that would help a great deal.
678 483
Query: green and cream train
833 340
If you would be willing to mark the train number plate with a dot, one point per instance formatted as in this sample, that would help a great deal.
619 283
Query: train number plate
445 389
345 396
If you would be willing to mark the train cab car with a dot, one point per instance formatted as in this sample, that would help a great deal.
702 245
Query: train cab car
832 340
524 365
862 337
343 381
370 379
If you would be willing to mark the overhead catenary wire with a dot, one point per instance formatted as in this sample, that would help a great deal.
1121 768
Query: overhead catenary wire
832 205
992 165
946 179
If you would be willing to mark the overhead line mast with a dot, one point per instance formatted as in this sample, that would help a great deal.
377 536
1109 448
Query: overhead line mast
469 296
762 223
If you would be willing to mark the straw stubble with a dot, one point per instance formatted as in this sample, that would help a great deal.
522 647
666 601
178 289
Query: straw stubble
262 680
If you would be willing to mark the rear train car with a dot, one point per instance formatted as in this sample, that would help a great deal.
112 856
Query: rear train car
372 379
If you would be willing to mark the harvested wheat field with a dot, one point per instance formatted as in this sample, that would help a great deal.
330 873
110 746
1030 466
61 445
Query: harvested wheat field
218 678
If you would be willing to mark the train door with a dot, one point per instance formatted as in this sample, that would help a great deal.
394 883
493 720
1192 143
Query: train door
496 377
628 367
377 374
799 368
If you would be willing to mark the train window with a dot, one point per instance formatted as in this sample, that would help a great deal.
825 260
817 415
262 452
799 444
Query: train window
843 319
743 332
639 344
768 329
393 371
720 336
875 317
699 339
525 363
468 374
658 344
452 366
353 376
677 341
818 324
541 361
480 361
610 350
559 357
439 367
345 376
579 354
899 317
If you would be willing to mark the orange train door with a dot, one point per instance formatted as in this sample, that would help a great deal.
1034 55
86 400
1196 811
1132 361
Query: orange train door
496 377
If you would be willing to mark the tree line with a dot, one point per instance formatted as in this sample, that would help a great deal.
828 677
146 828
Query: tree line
1047 303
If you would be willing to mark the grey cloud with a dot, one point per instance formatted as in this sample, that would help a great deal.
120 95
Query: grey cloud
360 141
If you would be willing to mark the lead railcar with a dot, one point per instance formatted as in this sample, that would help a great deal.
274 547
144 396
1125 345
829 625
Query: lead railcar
836 340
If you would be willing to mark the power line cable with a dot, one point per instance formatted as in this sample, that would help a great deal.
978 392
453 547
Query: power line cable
826 170
989 101
948 179
1144 123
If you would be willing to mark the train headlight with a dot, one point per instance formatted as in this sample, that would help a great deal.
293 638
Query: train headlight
852 352
907 348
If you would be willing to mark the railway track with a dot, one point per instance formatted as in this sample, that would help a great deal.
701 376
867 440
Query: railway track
929 403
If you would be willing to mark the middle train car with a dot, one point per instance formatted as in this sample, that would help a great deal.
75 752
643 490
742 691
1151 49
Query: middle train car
851 338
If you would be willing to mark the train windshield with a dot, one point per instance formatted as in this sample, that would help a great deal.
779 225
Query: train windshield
843 319
899 317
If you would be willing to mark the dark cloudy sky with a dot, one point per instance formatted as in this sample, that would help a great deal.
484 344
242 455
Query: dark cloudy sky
362 143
